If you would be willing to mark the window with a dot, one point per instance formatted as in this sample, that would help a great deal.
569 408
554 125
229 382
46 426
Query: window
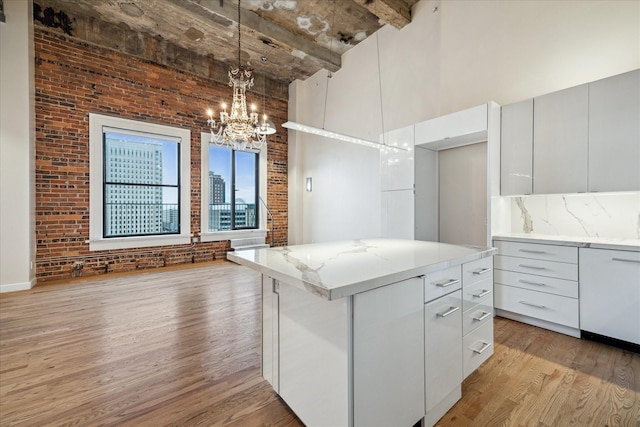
140 184
232 182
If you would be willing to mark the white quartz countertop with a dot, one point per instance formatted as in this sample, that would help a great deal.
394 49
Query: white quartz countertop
340 269
581 242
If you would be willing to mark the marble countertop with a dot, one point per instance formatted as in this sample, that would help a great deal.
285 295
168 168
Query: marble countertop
581 242
340 269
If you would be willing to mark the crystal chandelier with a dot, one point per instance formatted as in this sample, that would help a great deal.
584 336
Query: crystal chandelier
238 129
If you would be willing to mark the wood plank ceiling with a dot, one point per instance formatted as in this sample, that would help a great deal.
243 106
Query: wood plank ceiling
283 39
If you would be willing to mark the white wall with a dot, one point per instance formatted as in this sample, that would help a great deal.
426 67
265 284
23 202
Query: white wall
454 55
17 148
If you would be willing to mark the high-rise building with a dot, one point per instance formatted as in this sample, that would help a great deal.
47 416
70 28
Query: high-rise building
217 188
132 206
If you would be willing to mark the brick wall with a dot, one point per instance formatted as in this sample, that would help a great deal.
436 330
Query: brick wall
72 79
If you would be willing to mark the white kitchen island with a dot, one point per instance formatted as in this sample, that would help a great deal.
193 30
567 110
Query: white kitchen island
349 332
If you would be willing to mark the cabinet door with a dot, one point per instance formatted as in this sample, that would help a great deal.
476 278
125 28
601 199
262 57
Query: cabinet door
396 166
388 355
610 293
464 126
614 133
443 347
516 149
560 128
397 214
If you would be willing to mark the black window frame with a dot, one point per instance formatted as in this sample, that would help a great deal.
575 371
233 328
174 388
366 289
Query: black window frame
106 183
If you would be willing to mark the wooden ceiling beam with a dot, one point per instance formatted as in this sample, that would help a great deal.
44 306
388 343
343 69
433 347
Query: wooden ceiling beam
393 12
283 38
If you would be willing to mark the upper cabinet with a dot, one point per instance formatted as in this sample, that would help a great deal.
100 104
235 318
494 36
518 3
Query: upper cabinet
560 128
614 133
585 138
516 151
455 129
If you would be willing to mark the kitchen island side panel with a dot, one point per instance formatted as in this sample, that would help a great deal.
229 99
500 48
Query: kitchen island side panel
314 356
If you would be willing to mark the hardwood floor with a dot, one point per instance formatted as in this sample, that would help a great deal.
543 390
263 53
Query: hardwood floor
182 348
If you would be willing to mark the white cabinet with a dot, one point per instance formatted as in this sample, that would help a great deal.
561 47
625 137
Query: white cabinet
396 166
388 355
397 216
477 306
538 284
443 351
614 133
459 128
560 138
516 149
337 357
610 293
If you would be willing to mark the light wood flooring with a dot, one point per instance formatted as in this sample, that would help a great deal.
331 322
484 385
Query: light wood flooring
181 347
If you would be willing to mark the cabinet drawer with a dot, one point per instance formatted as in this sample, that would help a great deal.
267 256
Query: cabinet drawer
476 348
477 293
442 282
477 316
551 285
540 305
538 251
560 270
475 271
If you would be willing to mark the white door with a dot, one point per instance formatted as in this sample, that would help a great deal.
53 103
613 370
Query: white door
463 194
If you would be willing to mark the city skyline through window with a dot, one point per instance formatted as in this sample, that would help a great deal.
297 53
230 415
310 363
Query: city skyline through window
141 185
233 189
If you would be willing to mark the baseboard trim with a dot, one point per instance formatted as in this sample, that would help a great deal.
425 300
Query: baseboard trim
14 287
573 332
614 342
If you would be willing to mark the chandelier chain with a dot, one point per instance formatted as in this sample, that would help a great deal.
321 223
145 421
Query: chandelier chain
239 34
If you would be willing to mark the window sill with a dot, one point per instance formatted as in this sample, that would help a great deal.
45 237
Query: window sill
235 234
138 242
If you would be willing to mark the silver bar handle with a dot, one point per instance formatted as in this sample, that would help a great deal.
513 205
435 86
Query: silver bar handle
532 304
482 271
485 314
275 286
447 283
532 251
528 282
485 345
451 310
535 267
482 293
625 260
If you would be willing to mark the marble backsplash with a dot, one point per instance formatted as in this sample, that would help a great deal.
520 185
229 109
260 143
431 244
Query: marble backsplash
596 215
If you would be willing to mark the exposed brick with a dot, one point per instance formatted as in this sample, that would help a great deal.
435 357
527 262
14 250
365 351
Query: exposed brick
73 79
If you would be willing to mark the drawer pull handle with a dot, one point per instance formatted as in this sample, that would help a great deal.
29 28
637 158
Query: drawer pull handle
531 251
482 293
482 271
485 345
451 310
448 283
532 304
625 260
528 282
485 314
535 267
